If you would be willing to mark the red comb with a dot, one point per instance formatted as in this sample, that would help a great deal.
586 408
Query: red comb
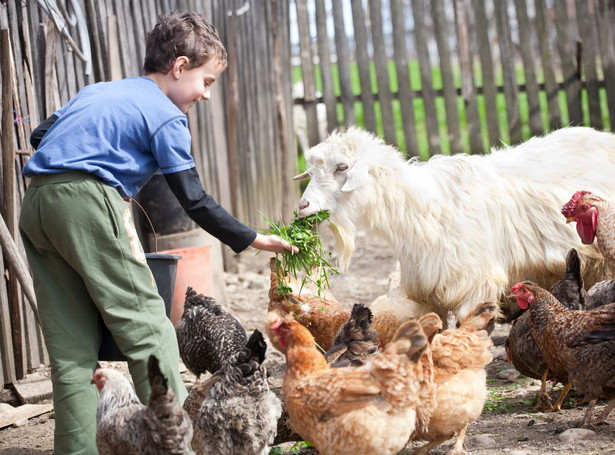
568 208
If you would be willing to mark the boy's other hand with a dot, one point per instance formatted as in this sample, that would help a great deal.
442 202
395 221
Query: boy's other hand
273 243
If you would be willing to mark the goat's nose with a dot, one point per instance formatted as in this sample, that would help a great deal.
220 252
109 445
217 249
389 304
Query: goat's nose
303 205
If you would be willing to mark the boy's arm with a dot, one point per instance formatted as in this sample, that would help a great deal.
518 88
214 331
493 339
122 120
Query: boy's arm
37 135
207 213
212 217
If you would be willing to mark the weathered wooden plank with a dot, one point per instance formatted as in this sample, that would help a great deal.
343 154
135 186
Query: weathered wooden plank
405 92
550 82
429 96
363 63
527 56
343 64
605 21
34 388
26 411
326 73
446 68
307 67
587 27
382 72
468 90
566 38
113 49
508 70
487 69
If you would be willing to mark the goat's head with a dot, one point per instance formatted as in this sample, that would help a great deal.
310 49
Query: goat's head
337 167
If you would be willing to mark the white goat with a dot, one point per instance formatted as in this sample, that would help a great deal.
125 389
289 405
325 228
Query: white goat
465 227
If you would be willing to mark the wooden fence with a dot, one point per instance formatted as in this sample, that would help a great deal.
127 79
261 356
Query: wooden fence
491 70
242 138
430 76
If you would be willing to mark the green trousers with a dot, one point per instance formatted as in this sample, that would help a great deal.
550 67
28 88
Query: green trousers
88 266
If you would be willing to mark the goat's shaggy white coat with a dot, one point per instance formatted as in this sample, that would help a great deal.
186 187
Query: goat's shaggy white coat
465 227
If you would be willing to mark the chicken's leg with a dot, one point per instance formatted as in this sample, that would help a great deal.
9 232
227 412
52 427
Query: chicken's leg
609 407
586 422
562 396
435 442
544 400
458 447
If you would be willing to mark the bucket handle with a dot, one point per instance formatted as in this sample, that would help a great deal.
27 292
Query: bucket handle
149 221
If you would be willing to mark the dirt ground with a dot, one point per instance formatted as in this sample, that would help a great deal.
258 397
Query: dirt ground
508 424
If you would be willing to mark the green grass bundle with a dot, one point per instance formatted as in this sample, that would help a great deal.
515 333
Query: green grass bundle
311 258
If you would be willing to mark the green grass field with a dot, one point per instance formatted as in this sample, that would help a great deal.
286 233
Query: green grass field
419 111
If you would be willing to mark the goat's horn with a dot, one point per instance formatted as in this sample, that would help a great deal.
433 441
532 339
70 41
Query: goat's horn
305 175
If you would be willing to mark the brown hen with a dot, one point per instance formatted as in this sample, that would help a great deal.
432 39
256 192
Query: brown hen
580 342
459 358
363 410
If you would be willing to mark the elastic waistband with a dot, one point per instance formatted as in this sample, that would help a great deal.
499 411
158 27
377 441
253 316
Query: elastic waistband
63 177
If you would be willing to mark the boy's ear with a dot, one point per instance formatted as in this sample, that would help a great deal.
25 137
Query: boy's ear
180 65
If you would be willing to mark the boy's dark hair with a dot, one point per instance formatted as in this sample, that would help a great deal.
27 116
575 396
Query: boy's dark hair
182 34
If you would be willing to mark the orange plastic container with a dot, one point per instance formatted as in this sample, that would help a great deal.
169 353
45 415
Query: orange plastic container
194 270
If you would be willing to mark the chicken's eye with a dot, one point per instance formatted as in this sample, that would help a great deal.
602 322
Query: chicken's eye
341 167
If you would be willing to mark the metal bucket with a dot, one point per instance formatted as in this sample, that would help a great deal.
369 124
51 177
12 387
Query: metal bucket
164 269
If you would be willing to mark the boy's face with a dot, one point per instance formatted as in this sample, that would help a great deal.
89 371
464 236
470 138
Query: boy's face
189 86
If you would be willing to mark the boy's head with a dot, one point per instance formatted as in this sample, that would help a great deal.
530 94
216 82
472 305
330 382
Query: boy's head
186 34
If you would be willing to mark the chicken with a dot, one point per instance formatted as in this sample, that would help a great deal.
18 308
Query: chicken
521 347
459 358
125 426
601 293
595 218
355 341
207 334
362 410
323 314
582 343
239 413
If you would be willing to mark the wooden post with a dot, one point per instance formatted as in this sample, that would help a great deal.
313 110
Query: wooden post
8 189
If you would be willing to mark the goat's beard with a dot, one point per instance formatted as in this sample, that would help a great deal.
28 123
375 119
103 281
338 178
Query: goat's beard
344 236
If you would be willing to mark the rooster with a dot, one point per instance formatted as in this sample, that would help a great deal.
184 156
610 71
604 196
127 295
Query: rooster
363 410
459 358
595 218
125 426
207 334
239 413
582 343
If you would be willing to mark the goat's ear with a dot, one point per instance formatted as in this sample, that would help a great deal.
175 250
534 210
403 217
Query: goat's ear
356 176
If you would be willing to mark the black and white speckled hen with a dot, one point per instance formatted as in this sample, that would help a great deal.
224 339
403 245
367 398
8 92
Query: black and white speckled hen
125 426
207 334
355 341
601 293
580 342
239 415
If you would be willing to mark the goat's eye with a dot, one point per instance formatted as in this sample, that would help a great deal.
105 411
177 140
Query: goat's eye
341 167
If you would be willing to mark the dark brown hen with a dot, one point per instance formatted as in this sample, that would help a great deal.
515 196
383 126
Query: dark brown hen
521 347
207 334
582 343
355 341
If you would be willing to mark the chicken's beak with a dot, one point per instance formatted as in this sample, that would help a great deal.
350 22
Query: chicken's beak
570 220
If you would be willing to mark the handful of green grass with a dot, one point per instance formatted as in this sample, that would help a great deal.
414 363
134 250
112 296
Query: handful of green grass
311 258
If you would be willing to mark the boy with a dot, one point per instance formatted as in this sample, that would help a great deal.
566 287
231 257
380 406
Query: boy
87 262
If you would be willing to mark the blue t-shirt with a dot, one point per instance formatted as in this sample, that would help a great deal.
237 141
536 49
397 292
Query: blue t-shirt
122 131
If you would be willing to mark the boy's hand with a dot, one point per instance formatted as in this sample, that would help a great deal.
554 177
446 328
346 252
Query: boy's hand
273 243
